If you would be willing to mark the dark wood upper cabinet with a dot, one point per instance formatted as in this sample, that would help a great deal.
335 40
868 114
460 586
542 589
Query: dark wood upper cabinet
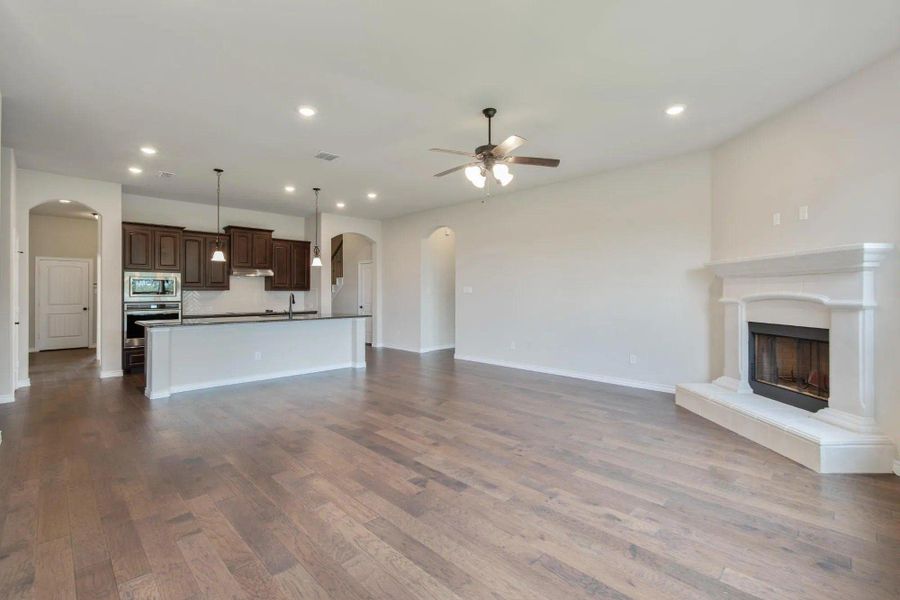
281 265
262 249
151 247
217 273
251 248
199 272
137 247
166 249
300 266
290 262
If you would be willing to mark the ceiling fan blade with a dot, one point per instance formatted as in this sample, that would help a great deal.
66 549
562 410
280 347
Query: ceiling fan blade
460 152
530 160
507 146
453 170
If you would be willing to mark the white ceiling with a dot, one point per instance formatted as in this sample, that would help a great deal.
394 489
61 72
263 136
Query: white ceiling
216 84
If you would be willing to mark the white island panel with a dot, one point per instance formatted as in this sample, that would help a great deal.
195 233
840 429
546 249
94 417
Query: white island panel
180 358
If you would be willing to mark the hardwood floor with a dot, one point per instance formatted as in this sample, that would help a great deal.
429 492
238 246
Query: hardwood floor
419 477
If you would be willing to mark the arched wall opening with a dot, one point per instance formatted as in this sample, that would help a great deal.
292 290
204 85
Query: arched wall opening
34 188
438 293
353 276
63 259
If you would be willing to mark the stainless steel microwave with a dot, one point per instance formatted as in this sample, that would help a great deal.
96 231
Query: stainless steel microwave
157 287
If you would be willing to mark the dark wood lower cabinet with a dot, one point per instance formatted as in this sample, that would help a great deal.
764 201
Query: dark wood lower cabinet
290 262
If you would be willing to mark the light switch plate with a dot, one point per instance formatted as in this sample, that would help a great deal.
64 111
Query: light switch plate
467 290
804 213
776 218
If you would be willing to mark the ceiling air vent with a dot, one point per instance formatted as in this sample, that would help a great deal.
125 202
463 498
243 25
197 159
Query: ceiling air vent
166 175
326 156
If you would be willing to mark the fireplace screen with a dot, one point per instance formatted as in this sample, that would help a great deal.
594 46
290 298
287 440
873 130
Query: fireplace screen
791 363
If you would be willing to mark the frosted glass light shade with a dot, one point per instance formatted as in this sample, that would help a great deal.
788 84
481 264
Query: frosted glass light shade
218 256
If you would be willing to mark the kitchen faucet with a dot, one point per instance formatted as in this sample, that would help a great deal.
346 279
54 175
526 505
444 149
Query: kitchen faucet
291 306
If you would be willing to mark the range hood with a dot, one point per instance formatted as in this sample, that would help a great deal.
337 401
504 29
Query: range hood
243 272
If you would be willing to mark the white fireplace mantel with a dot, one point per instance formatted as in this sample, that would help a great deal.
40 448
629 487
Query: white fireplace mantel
830 288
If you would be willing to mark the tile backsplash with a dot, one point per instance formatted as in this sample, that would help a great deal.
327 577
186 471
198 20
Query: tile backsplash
247 294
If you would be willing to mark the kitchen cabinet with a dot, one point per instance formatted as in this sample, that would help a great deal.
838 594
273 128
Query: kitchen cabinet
151 247
290 263
251 248
199 272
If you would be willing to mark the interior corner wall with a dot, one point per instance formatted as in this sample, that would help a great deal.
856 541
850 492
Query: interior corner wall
575 277
838 154
37 187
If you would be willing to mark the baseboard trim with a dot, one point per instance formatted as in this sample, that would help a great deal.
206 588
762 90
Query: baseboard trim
436 348
7 398
23 383
897 468
632 383
401 348
32 350
111 373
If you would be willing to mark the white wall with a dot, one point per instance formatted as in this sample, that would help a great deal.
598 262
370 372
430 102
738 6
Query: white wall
578 275
8 264
439 290
247 294
839 154
61 237
105 198
356 248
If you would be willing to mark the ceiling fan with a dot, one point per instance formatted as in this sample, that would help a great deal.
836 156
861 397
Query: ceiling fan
494 159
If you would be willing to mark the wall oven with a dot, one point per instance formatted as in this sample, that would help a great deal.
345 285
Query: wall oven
139 311
152 287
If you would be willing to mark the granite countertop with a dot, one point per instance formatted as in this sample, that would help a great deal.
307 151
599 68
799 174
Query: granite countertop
277 318
262 313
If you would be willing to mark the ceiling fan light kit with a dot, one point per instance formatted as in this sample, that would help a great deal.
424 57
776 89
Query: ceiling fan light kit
494 159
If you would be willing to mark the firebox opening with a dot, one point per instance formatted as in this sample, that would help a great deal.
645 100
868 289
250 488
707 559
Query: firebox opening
790 364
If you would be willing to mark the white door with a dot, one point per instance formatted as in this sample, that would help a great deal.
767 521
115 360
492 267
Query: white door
365 296
62 291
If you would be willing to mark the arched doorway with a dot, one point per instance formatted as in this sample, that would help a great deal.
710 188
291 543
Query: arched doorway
63 283
353 277
438 294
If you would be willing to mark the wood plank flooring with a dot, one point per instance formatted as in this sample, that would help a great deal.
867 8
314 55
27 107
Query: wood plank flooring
420 477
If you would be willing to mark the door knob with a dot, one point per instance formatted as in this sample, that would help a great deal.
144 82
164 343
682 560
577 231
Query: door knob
84 308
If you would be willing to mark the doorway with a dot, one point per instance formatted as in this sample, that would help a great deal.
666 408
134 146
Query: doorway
63 254
438 309
353 277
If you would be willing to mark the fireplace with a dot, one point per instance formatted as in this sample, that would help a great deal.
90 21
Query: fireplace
790 364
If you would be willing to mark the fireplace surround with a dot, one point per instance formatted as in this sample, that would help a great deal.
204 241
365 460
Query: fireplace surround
831 289
790 364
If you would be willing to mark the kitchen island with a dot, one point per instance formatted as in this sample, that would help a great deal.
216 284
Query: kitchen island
198 353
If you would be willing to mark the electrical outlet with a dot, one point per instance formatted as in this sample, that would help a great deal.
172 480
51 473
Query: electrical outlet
512 345
632 359
257 356
804 213
776 218
467 289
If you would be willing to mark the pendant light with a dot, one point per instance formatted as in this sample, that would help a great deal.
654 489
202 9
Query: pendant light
317 259
218 255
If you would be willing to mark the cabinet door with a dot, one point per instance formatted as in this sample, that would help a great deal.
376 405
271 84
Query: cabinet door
193 275
242 249
262 250
300 266
217 277
166 250
281 265
137 246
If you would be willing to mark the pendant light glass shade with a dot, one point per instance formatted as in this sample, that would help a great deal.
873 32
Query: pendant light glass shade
317 258
218 255
502 174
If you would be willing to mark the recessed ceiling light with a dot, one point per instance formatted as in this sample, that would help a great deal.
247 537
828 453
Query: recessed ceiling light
289 189
372 195
136 170
148 150
675 110
340 205
306 111
65 201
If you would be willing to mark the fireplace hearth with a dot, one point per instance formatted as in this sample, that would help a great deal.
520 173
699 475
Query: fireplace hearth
790 364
